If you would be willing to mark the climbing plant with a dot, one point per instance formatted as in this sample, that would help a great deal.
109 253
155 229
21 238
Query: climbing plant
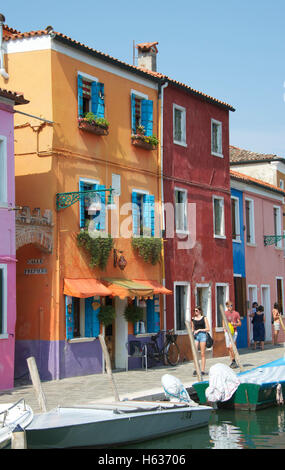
149 248
99 248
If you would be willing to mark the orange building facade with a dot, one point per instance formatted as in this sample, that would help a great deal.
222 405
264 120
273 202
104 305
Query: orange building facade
59 295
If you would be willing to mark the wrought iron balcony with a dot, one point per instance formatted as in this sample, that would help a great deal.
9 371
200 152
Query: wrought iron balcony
272 239
64 200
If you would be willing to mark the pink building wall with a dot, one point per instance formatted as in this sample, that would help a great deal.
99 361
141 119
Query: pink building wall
264 264
7 246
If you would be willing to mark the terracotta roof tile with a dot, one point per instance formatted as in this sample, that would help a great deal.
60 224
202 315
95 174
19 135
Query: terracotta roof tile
238 155
249 179
149 73
15 96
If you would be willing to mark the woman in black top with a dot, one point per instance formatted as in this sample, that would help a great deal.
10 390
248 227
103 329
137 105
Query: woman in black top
200 326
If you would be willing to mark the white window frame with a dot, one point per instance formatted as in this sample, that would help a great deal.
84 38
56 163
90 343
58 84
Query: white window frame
141 192
185 228
237 219
183 125
220 137
223 235
4 334
187 306
279 244
252 223
3 172
226 286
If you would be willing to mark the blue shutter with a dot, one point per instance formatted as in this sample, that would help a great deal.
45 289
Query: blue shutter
80 96
147 116
92 324
156 314
69 317
148 212
136 213
94 97
101 106
133 110
81 206
153 314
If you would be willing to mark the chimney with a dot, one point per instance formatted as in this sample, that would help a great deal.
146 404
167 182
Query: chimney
147 52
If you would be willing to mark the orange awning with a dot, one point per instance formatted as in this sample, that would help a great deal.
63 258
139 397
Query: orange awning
84 288
127 288
157 288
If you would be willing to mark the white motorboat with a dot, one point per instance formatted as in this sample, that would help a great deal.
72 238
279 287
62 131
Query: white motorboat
11 416
113 424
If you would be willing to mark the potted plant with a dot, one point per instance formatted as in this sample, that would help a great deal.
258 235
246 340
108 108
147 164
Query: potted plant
96 125
107 314
147 142
133 313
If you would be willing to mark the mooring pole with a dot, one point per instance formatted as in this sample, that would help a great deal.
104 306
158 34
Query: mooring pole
108 366
194 350
37 384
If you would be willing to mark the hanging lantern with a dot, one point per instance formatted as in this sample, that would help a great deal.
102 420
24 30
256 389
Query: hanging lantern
95 205
122 262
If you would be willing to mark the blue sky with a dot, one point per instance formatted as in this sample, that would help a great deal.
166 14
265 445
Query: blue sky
232 50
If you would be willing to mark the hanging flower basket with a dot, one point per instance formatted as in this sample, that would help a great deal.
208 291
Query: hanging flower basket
144 141
91 123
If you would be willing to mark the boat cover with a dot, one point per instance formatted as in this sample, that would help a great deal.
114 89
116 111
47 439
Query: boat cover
175 391
271 373
223 383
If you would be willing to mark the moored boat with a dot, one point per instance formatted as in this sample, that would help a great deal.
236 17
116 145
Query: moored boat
113 424
258 388
11 416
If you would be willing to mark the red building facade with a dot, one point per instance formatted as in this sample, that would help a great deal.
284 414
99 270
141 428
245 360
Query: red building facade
196 181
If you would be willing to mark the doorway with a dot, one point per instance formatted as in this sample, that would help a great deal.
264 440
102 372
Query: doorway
241 308
203 299
265 301
252 297
279 288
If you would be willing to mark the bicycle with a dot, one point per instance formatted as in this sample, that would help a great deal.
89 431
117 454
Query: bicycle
169 350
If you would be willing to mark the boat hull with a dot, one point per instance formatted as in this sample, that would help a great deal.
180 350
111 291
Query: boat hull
249 397
75 428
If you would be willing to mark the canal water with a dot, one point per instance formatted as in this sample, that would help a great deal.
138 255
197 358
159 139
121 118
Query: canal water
229 429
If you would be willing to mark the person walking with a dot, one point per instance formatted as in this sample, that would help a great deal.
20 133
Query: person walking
253 310
258 320
200 326
276 323
233 319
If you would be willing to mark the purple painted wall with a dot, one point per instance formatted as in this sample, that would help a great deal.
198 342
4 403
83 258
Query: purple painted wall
7 244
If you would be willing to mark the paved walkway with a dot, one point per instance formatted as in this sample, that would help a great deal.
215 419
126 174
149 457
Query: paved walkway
134 383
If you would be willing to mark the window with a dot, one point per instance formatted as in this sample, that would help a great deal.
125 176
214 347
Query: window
277 225
235 219
90 96
82 317
3 170
249 220
221 298
151 315
179 125
142 113
181 222
182 305
3 300
219 221
93 206
143 214
216 138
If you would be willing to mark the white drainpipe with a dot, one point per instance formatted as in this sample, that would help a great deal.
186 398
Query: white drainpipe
2 67
162 194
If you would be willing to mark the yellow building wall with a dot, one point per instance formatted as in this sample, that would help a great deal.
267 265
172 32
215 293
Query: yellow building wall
50 159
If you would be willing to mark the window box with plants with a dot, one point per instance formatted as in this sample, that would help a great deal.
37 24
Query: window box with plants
149 248
94 124
147 142
99 247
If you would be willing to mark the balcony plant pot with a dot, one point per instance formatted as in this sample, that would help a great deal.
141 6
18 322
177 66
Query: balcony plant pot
142 141
93 127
